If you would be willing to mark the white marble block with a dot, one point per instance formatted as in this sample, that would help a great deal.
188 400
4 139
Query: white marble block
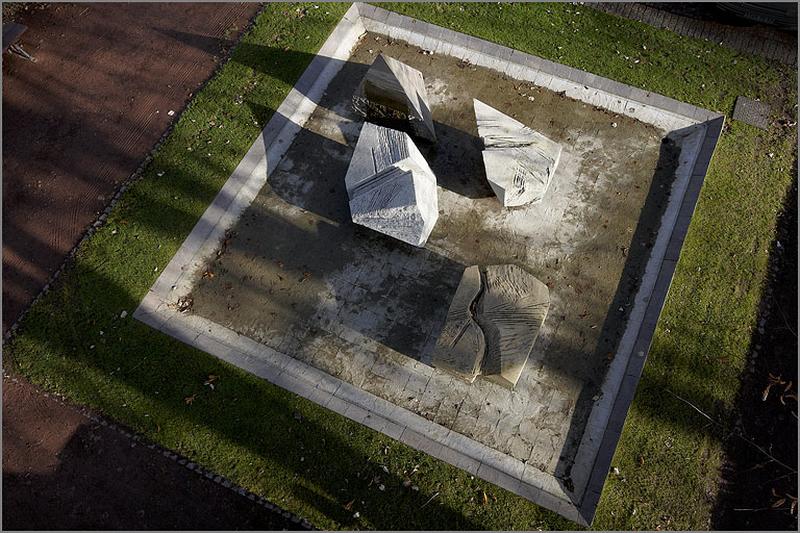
492 324
391 187
392 89
519 162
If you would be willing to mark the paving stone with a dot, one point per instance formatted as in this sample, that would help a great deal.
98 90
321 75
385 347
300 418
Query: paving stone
752 112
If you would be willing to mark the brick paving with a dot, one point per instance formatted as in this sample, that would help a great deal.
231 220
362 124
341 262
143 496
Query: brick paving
77 124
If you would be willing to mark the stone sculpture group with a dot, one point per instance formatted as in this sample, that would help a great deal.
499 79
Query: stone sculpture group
498 310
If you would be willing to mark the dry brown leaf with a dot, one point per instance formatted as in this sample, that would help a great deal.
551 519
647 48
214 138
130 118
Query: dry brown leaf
765 394
189 399
778 503
349 505
485 498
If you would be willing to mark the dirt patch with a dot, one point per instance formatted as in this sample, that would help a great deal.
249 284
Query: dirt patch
62 471
299 277
80 120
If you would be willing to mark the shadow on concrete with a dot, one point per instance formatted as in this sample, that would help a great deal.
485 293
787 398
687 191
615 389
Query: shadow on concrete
643 239
449 170
322 192
329 484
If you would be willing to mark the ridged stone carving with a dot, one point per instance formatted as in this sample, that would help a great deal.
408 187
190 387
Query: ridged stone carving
391 187
492 324
519 161
391 89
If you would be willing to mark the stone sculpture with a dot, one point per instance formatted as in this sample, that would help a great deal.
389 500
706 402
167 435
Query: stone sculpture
519 162
391 187
394 90
492 324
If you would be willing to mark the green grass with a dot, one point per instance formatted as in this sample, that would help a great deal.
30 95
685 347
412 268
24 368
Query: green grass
73 340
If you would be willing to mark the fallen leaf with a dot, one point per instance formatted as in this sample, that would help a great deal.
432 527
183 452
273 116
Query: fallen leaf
349 505
189 399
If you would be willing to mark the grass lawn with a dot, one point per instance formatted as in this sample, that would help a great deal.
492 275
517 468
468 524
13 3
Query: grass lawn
329 469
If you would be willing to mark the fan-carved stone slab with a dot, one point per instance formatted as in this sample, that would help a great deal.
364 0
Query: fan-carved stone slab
492 324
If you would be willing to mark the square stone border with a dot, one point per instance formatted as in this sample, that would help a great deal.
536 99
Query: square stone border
699 128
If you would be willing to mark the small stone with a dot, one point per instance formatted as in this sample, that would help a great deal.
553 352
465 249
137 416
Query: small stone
123 314
613 124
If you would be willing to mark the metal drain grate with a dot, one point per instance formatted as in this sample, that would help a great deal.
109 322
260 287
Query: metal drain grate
752 112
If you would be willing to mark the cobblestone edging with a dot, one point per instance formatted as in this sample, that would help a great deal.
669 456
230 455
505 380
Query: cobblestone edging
169 454
763 42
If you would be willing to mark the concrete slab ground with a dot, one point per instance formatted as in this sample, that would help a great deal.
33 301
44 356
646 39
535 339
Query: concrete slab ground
280 282
299 277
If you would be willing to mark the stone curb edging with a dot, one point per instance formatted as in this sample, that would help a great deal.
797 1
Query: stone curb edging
181 460
608 415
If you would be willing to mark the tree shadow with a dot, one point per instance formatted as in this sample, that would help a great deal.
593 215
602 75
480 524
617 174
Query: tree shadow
330 454
746 501
104 481
268 408
455 159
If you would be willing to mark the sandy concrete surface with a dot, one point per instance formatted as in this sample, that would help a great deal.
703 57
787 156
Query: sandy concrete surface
295 274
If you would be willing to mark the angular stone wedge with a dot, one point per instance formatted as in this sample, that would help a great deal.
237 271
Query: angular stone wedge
519 161
492 324
391 187
392 89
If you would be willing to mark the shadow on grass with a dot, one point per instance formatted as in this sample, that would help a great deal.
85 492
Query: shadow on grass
101 483
322 460
749 478
156 373
329 455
